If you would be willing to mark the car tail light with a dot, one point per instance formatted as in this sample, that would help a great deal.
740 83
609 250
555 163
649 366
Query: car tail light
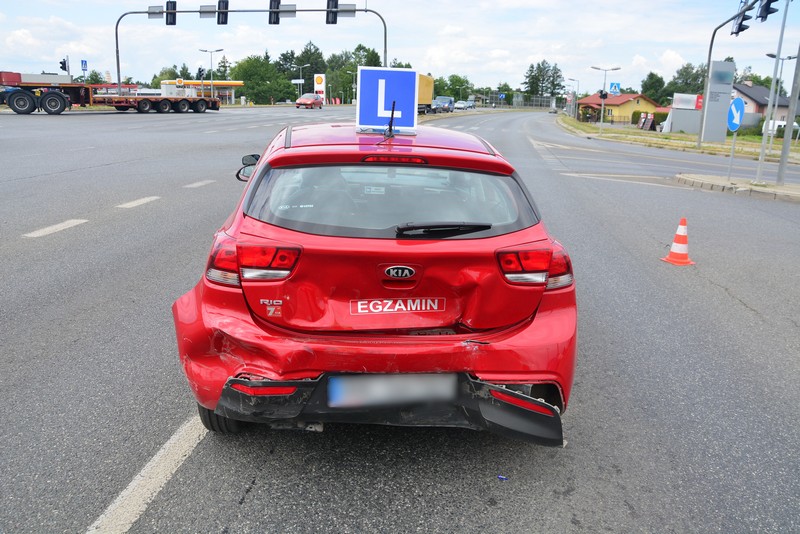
266 263
222 265
549 266
395 159
229 261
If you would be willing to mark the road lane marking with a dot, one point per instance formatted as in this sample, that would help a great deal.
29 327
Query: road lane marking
632 179
55 228
210 131
199 184
137 203
129 505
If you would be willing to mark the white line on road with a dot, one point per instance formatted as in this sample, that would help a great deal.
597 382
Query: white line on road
136 203
129 505
632 179
211 131
199 184
56 228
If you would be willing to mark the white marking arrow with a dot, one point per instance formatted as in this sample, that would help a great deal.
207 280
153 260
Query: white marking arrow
737 117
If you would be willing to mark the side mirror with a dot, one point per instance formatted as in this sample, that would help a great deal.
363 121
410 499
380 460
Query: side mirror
250 159
244 174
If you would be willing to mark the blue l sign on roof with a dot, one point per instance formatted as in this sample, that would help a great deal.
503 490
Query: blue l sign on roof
735 114
378 88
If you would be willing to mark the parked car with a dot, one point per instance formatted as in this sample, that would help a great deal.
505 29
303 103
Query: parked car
436 106
448 103
363 278
470 104
460 105
309 101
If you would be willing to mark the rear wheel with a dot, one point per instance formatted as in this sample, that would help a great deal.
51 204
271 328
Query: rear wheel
164 106
121 108
144 106
200 106
21 102
182 106
217 423
53 103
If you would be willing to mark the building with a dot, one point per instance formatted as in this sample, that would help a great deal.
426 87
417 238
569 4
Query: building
756 100
618 108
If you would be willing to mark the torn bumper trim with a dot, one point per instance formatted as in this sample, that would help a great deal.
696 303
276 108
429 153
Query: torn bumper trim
506 412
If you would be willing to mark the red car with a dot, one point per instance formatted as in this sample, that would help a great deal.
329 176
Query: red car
309 100
404 280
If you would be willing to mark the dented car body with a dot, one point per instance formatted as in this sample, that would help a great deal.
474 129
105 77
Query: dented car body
406 280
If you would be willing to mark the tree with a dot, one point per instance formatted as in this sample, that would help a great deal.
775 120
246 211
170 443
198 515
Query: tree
286 63
688 79
311 55
366 57
457 86
653 86
340 61
543 79
395 64
223 69
263 84
166 73
185 73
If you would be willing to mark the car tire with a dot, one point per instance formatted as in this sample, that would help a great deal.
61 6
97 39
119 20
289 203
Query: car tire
144 106
21 102
182 106
218 423
200 106
164 106
121 108
53 103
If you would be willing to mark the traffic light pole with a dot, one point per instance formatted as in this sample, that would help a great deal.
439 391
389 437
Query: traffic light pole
703 114
278 11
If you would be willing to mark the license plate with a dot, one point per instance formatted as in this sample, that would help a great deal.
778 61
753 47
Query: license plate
354 391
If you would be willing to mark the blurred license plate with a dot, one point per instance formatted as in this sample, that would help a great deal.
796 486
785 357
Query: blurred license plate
386 390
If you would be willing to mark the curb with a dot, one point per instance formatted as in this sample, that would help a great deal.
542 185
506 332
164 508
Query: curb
722 185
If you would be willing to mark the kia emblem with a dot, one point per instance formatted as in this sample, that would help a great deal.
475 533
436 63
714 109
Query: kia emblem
400 271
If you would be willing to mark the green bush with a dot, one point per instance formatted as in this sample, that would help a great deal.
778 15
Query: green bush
635 117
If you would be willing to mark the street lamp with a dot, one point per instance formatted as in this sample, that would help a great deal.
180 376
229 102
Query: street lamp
301 67
603 100
354 82
771 120
211 52
575 98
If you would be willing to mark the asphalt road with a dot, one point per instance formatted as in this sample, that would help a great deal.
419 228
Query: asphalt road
683 414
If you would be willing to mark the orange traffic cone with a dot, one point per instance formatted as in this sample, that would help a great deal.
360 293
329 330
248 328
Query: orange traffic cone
679 251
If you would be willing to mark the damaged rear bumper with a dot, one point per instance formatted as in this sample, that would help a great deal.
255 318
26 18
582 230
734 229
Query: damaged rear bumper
475 404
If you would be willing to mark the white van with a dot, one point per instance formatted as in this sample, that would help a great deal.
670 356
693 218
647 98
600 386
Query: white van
774 125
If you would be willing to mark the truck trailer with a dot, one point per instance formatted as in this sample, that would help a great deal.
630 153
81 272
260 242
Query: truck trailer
54 93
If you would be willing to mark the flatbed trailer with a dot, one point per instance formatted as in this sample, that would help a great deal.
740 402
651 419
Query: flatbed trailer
53 94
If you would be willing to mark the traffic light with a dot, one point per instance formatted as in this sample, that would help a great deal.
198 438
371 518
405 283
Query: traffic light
274 15
603 94
172 5
765 9
739 24
333 12
222 12
201 73
63 64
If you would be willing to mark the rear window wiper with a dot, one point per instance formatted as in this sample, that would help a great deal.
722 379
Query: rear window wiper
445 227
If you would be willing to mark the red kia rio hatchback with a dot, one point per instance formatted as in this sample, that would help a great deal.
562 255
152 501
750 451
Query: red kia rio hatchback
405 280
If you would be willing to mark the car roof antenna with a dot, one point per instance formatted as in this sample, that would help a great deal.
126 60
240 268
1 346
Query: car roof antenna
389 132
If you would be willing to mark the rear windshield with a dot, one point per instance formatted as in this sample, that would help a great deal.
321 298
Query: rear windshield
373 200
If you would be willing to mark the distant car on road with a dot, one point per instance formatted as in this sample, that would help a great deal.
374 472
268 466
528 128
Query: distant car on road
470 104
309 101
447 102
436 107
460 105
405 280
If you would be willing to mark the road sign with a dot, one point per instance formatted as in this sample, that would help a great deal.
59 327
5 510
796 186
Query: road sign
501 96
613 88
84 65
378 89
735 114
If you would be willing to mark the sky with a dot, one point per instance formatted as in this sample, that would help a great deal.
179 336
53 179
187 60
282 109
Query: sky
488 41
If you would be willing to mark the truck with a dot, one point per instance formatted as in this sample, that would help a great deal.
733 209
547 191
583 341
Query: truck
54 93
424 93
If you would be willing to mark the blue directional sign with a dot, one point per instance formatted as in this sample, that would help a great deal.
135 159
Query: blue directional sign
613 88
378 89
84 64
735 114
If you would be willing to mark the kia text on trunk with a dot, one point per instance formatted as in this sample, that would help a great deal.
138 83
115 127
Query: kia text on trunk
402 280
